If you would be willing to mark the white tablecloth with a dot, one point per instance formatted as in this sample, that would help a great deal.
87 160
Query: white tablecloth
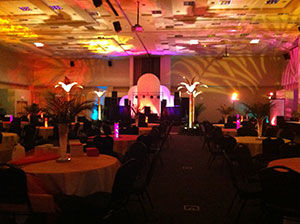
122 143
81 176
9 140
45 132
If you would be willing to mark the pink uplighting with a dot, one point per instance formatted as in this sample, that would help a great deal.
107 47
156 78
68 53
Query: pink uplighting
238 121
273 121
116 129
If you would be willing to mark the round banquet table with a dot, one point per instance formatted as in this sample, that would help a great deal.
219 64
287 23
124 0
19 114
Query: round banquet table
230 131
293 163
9 140
45 132
122 143
81 176
254 143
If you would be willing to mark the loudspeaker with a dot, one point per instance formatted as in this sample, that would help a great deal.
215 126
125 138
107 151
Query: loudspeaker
109 63
286 56
72 63
163 103
126 103
97 3
114 94
176 98
299 28
117 26
147 110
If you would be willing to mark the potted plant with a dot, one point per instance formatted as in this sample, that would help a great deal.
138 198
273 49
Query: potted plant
63 108
225 111
260 111
33 111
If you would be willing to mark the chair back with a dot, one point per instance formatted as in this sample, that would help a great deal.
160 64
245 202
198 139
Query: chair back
270 148
244 161
29 136
290 149
13 187
137 151
280 186
228 144
124 180
287 134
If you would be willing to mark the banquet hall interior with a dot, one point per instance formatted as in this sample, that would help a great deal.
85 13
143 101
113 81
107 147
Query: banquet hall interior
149 111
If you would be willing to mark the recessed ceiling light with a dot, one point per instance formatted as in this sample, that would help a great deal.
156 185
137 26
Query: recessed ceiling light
254 41
194 42
38 44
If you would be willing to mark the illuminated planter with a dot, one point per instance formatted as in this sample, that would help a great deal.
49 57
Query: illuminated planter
99 94
191 90
46 122
116 130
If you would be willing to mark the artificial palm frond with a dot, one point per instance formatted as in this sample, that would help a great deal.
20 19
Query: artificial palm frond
225 110
63 110
33 109
260 110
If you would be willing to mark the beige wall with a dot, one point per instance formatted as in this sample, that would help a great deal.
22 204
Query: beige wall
87 72
14 68
252 77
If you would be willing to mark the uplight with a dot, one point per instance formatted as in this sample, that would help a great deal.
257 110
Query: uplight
38 44
254 41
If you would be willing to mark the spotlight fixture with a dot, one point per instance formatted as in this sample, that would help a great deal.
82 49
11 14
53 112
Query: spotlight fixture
226 54
117 26
137 27
97 3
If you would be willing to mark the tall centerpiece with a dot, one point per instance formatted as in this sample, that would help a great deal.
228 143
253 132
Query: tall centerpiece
225 111
260 111
99 94
62 107
190 86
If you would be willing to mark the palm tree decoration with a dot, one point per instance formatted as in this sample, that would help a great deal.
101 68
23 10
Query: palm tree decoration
191 89
260 111
99 94
63 108
33 110
225 110
67 86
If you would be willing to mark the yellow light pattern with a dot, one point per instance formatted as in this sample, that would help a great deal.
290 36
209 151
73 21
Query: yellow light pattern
108 44
15 30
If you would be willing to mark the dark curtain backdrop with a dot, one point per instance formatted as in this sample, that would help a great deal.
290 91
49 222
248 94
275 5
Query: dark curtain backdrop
146 65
